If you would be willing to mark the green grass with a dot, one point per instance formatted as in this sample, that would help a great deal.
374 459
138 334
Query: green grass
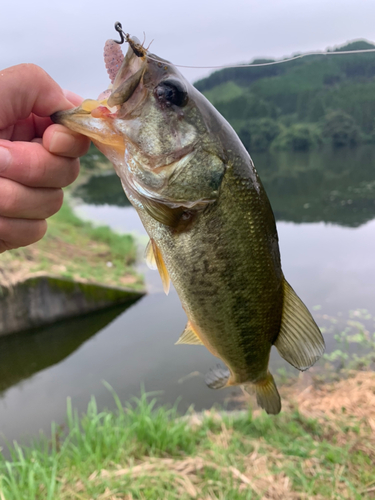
77 249
142 451
66 224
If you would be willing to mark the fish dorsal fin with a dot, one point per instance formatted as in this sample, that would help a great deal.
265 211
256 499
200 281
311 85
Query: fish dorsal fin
189 336
161 266
150 257
300 341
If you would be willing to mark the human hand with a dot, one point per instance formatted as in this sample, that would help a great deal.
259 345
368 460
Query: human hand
37 158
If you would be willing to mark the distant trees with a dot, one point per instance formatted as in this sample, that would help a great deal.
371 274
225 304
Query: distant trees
336 128
300 104
299 137
341 129
258 135
245 106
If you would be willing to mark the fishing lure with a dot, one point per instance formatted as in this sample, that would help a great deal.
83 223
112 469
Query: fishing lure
113 58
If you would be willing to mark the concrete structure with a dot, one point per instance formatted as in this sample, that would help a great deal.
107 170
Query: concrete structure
45 299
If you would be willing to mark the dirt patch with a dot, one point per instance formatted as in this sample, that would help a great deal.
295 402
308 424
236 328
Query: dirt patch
354 396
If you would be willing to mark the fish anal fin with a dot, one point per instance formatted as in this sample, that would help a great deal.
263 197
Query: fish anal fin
189 336
161 266
150 257
300 341
217 378
267 395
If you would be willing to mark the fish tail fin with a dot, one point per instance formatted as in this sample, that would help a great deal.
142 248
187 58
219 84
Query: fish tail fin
267 395
300 341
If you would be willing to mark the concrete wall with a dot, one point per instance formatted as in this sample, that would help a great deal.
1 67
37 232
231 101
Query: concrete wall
46 299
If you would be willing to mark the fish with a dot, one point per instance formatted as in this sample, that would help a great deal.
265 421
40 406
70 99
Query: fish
211 226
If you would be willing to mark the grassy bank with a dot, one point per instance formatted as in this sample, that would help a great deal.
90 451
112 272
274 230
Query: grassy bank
321 446
75 249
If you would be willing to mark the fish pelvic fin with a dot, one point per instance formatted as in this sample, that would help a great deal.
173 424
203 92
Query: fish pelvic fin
267 395
300 341
217 378
150 257
189 336
157 256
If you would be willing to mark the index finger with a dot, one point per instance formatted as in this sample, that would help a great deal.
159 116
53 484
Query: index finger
27 89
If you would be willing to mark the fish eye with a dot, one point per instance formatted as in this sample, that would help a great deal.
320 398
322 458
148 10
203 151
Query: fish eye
171 92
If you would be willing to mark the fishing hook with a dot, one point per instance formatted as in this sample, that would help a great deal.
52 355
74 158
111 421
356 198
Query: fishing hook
118 28
138 49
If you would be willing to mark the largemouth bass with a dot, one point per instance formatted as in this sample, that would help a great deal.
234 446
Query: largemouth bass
212 230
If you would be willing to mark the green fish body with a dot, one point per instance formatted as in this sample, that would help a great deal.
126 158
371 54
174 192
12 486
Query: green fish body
211 227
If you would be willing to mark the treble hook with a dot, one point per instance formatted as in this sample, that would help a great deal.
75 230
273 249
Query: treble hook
118 28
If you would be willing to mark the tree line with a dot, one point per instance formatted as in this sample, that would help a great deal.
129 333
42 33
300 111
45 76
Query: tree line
301 104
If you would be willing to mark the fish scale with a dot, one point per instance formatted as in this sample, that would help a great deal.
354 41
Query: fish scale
236 302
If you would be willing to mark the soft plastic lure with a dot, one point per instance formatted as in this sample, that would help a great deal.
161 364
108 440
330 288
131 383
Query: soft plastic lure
113 58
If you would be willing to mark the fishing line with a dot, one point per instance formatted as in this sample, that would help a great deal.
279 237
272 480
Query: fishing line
362 51
141 51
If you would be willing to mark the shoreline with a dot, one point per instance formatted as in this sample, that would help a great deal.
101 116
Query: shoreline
314 449
74 257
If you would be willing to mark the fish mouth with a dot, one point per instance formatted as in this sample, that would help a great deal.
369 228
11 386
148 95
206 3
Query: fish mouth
100 123
92 119
97 118
113 121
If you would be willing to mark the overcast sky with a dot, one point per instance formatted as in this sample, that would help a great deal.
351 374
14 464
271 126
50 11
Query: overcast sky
67 37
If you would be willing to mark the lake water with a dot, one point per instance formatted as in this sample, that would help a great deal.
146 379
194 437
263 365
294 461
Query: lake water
324 203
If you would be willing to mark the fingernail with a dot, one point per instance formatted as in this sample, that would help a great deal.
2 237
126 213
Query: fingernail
62 143
5 158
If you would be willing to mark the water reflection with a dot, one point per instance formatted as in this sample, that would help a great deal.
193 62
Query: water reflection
336 186
102 189
24 354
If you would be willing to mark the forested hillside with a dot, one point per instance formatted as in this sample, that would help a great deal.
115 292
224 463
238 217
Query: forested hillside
300 104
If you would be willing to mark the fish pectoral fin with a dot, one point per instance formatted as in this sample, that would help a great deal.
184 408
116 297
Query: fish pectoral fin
163 213
161 266
217 378
300 341
150 257
267 395
189 336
